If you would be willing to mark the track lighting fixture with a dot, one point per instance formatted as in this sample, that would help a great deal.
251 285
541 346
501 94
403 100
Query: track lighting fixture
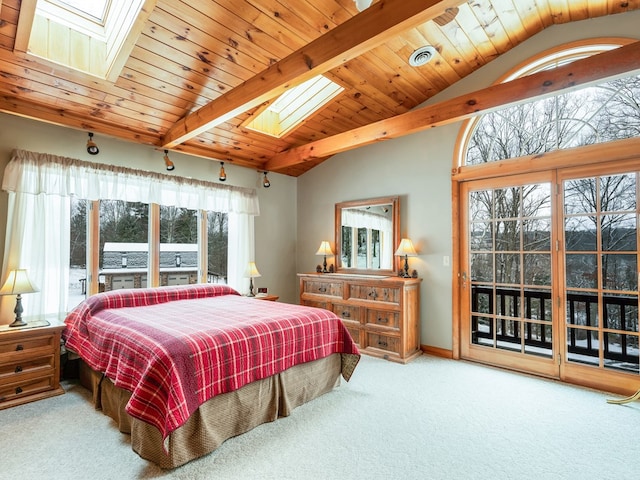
168 162
223 175
265 181
92 148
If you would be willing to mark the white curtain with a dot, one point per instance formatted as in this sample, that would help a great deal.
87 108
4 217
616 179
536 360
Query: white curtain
242 237
37 237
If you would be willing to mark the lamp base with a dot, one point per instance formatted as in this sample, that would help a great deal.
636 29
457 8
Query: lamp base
251 294
405 273
18 322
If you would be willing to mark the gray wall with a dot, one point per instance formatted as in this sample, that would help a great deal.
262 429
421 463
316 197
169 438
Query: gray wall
418 168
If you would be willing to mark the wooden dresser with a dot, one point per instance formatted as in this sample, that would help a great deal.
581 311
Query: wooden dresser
29 363
382 314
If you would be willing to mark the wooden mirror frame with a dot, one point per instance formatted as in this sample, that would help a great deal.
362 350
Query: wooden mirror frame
395 218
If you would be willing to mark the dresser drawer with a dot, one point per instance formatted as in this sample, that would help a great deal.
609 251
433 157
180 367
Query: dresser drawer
383 318
314 303
375 294
383 342
347 312
28 366
319 287
25 387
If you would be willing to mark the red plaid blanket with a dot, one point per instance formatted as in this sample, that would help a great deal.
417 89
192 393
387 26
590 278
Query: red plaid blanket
176 347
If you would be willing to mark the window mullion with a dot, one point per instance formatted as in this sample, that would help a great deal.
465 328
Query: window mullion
93 247
154 246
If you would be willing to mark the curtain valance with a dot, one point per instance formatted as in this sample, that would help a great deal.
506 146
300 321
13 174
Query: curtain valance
36 173
356 218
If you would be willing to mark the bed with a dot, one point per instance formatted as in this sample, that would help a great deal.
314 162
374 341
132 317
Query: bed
183 368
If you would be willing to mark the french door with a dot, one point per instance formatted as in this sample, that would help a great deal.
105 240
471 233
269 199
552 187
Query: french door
549 274
508 274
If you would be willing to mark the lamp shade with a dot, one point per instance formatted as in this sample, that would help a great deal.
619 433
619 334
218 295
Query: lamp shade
18 282
252 271
406 248
325 249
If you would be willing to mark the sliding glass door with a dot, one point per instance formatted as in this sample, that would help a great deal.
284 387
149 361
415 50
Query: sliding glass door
507 279
549 274
600 230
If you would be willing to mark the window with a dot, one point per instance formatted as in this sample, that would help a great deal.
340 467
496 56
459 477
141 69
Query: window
217 244
123 244
92 37
294 106
601 113
77 252
123 247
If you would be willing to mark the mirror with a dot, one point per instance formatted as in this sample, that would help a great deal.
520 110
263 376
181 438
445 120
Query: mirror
367 233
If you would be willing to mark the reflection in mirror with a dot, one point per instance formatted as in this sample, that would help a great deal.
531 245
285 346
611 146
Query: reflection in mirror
366 235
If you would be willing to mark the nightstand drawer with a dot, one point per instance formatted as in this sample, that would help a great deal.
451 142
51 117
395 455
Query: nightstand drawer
25 388
40 365
42 341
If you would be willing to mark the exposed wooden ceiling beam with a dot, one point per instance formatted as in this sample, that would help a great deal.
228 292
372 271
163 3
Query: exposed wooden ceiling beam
372 27
18 106
65 118
617 62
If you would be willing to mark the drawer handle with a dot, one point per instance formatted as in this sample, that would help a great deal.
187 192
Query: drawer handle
346 314
19 347
373 294
382 343
18 390
18 368
322 289
383 320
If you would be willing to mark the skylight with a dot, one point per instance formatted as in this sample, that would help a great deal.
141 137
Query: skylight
91 36
92 8
294 106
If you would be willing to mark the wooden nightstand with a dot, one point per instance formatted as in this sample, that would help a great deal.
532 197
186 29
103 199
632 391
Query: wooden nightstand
29 362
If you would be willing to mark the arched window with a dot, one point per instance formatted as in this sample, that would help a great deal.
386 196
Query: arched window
593 114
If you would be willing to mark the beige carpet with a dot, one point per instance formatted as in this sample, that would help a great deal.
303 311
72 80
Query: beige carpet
430 419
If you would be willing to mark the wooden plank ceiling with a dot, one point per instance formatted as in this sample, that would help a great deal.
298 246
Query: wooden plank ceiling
200 70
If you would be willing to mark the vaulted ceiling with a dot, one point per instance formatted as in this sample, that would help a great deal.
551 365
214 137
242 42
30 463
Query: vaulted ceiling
193 74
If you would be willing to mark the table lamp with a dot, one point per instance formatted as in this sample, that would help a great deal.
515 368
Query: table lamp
18 283
252 272
325 249
406 249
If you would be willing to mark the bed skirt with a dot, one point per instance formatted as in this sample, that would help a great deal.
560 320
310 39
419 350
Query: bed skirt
222 417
